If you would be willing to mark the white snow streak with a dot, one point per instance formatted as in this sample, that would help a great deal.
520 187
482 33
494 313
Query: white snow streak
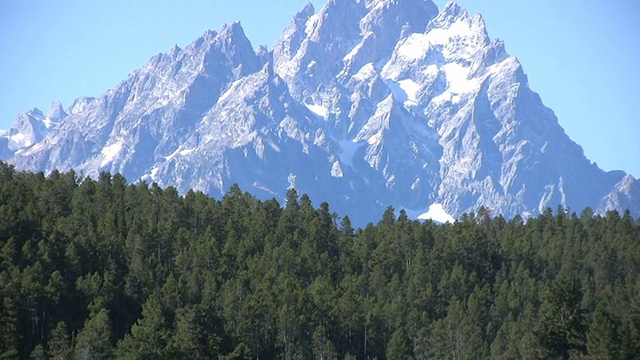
319 110
109 153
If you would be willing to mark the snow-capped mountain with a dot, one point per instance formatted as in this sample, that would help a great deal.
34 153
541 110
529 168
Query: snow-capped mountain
364 104
29 128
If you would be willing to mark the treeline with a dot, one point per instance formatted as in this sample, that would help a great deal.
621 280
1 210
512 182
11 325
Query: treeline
99 269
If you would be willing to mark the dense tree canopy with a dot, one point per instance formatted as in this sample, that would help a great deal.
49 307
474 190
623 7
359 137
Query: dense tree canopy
93 269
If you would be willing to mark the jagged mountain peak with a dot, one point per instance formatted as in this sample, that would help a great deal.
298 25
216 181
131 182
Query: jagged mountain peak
56 110
175 50
33 113
30 119
208 35
80 104
451 40
337 21
364 104
343 36
29 128
55 115
456 20
233 32
301 17
452 11
231 41
392 19
625 195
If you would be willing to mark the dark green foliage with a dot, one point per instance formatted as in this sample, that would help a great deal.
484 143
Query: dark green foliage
399 346
241 352
94 340
98 269
195 336
59 343
560 330
38 353
149 337
603 340
9 337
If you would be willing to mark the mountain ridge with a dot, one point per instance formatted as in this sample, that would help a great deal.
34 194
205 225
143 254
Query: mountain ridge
419 107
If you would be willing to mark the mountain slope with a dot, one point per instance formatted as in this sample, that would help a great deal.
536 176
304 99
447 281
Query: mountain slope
363 104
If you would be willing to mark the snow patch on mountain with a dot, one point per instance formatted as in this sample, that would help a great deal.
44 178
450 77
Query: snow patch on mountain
437 213
336 170
319 110
109 153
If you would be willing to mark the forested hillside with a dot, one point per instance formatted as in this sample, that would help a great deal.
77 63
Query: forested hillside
99 269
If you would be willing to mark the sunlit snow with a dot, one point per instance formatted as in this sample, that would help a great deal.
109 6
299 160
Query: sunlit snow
366 72
410 88
416 184
336 170
415 47
20 140
437 213
457 78
457 83
48 123
312 24
154 173
109 153
264 188
319 110
186 151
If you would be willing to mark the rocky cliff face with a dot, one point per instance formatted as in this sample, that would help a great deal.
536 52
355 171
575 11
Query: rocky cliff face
364 104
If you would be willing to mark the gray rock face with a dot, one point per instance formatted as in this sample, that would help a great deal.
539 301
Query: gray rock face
364 104
29 128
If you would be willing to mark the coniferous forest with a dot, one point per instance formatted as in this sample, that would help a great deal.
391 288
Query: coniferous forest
100 269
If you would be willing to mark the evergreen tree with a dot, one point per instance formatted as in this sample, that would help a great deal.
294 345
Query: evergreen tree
399 346
9 335
194 338
94 340
237 277
60 343
38 353
603 340
241 352
149 336
323 349
561 329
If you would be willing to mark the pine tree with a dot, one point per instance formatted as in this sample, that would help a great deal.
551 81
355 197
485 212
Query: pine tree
59 343
149 336
323 349
94 341
9 335
241 352
194 338
399 346
603 340
561 329
38 353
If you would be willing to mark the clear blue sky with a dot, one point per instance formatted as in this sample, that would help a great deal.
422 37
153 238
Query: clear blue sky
582 57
